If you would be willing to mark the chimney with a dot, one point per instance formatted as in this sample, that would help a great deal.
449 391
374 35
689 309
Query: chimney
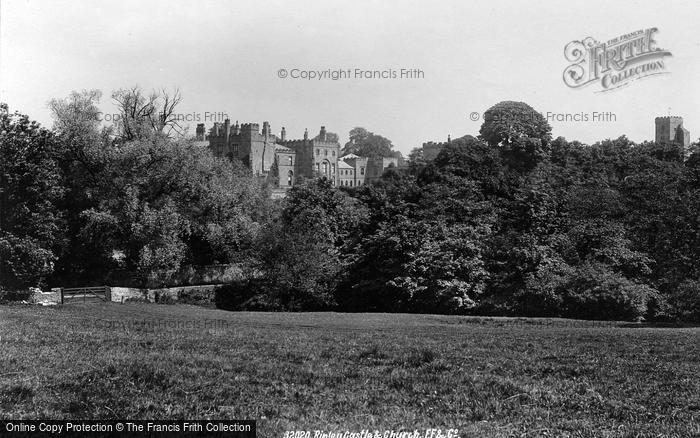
323 133
306 134
448 138
227 129
283 134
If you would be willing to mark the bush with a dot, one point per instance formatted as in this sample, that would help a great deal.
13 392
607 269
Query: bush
197 297
14 296
594 292
685 301
234 295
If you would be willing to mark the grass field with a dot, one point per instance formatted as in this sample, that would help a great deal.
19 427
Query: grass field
337 372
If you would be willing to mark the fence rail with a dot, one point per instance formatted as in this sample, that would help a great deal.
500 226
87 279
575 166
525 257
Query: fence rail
73 293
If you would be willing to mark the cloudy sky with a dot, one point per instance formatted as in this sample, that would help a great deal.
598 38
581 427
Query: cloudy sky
226 56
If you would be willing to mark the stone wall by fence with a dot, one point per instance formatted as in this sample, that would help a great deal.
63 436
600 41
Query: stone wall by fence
50 298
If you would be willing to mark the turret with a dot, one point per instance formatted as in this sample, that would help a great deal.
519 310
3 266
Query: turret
306 134
199 133
283 134
322 134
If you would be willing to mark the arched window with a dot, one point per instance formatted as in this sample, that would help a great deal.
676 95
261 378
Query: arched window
290 160
325 168
290 176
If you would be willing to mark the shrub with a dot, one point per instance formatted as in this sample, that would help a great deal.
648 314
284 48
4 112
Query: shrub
197 297
594 292
14 296
685 301
234 295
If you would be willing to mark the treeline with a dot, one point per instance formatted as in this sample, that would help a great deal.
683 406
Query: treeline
511 222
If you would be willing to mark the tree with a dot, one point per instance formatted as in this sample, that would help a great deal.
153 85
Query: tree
368 144
30 189
301 253
85 151
421 248
157 202
416 158
142 116
508 121
469 158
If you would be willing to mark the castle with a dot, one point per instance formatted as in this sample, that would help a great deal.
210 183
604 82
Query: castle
670 129
284 161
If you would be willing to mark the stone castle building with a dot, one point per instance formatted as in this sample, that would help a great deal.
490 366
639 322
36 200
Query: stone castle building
670 129
274 156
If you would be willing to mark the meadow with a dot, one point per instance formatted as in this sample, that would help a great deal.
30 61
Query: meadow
334 372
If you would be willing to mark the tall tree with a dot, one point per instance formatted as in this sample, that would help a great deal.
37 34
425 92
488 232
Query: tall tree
368 144
31 185
144 115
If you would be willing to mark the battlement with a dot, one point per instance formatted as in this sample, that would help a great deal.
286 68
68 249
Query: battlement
250 127
292 142
670 129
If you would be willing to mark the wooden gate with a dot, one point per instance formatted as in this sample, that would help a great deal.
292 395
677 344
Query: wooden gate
73 294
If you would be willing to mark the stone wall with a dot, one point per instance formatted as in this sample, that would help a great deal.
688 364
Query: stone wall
46 298
123 294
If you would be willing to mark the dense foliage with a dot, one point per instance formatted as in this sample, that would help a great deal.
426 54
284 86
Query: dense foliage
510 222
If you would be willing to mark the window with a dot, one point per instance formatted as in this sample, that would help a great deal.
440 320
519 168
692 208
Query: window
333 167
318 167
318 151
325 152
334 153
325 168
290 161
290 176
362 170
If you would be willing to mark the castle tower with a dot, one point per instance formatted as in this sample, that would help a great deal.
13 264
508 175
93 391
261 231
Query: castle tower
199 133
283 134
322 134
670 129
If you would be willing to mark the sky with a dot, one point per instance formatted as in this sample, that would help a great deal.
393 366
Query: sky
227 56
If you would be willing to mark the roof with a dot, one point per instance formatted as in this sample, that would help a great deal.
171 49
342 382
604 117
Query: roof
349 157
343 165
